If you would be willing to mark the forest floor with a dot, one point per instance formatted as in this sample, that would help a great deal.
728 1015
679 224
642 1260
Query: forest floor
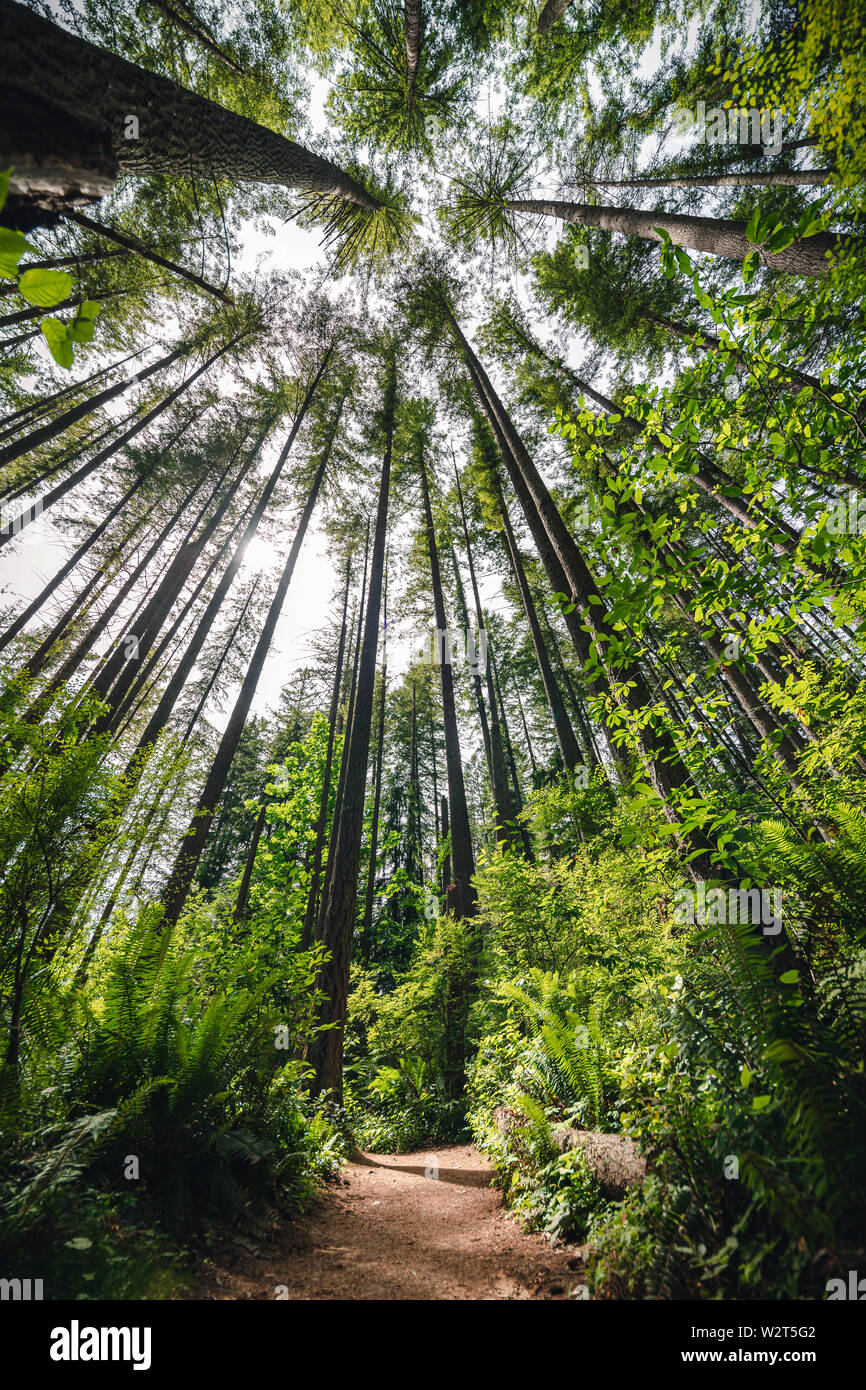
388 1229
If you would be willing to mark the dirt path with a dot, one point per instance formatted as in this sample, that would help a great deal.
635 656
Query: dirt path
412 1226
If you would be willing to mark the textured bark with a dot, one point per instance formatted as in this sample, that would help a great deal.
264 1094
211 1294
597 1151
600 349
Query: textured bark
180 134
717 235
412 26
462 857
551 14
194 841
345 852
613 1159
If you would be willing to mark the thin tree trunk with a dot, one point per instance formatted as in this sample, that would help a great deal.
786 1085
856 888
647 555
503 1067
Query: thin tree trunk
169 698
138 248
312 909
243 891
185 865
462 855
345 853
41 436
65 570
367 924
568 745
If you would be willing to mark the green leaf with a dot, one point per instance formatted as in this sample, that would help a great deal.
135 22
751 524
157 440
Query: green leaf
745 1077
790 977
58 340
79 1243
45 288
12 248
761 1102
4 185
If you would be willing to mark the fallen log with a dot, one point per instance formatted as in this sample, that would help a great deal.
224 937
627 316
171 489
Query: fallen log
612 1159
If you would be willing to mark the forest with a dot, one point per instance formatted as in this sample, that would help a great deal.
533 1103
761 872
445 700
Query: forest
433 640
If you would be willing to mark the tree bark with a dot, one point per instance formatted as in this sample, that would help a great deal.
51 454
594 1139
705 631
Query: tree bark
717 235
551 14
312 910
462 856
345 852
70 150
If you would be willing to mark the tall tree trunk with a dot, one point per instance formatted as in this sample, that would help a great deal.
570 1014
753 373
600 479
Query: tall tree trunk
568 745
312 908
70 665
717 235
63 422
782 178
71 149
185 865
345 853
413 23
626 686
509 830
166 704
462 855
367 924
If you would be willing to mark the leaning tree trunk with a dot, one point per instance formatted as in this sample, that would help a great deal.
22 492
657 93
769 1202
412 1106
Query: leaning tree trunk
35 438
626 686
787 178
107 117
462 856
194 840
73 660
716 235
65 570
551 14
26 517
345 852
170 695
565 736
